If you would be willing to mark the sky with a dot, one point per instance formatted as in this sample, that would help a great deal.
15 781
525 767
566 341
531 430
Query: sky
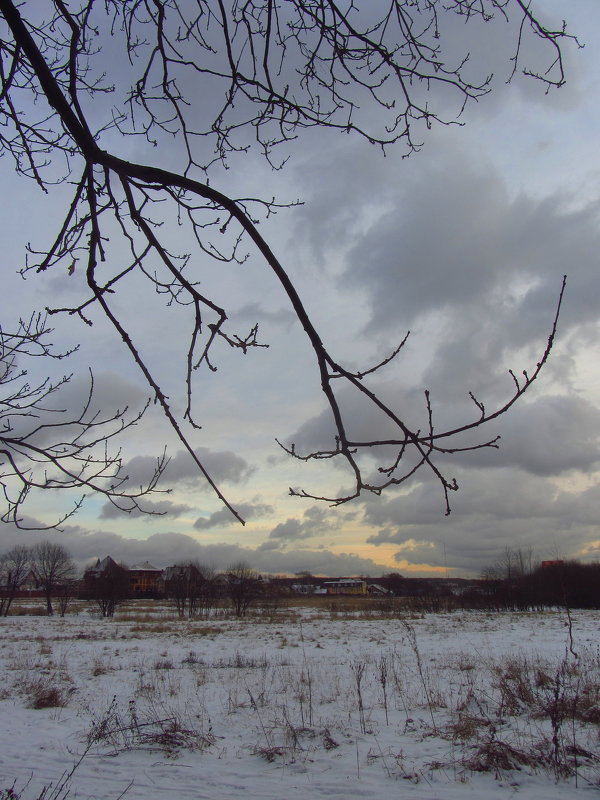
465 244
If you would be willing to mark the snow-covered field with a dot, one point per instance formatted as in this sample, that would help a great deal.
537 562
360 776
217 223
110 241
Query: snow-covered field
306 704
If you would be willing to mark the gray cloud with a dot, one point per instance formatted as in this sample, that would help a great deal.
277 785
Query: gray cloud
315 521
257 312
223 516
365 422
149 508
548 436
454 237
104 394
475 270
497 508
223 466
163 549
491 48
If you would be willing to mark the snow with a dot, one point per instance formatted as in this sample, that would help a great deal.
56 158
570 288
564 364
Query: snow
269 707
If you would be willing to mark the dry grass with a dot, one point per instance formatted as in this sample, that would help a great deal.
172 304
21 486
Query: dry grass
28 610
44 692
121 729
497 756
501 715
151 627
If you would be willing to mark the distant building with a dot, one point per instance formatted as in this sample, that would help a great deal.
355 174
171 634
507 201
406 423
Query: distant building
145 580
376 589
30 583
308 588
345 586
101 567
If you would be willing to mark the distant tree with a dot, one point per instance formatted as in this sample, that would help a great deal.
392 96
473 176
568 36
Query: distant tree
508 581
273 594
205 597
176 585
14 568
569 584
244 586
394 582
516 562
52 566
183 584
304 576
516 582
192 86
66 592
107 583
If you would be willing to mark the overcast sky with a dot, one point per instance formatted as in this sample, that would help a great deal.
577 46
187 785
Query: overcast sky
464 244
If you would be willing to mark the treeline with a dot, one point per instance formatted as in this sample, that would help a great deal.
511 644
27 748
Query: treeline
46 570
516 585
558 583
194 589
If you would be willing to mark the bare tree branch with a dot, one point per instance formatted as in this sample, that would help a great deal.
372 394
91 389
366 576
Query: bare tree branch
46 447
269 70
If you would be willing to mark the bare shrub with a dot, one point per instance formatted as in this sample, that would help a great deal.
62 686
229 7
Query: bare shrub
498 756
243 587
304 694
358 668
468 727
383 670
45 692
411 635
164 663
548 712
48 697
100 667
121 730
516 685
